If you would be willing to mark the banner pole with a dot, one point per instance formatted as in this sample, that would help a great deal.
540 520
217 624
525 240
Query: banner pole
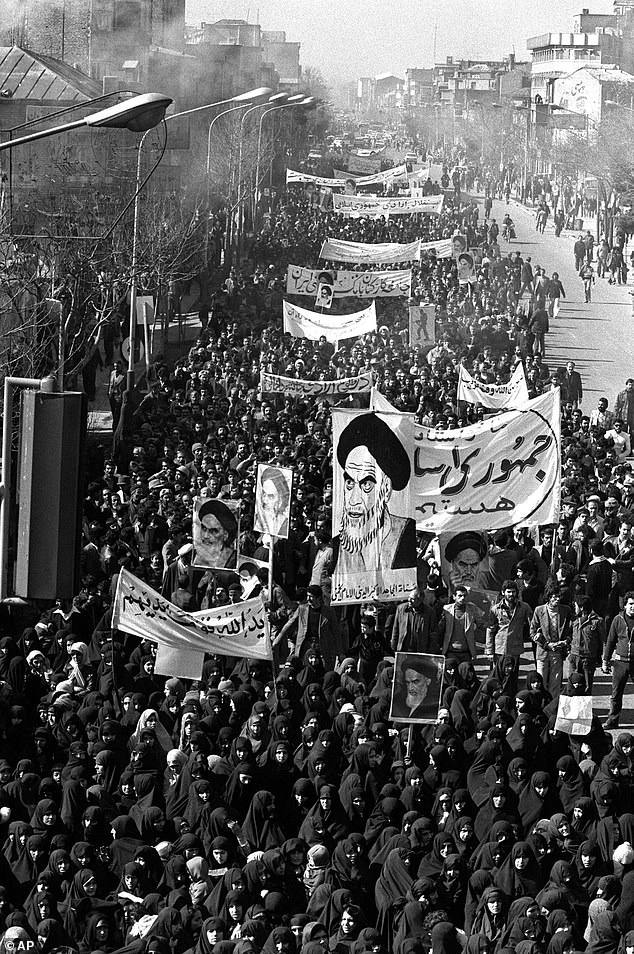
410 740
270 586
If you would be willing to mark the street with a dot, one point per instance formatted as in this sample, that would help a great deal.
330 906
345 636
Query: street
593 335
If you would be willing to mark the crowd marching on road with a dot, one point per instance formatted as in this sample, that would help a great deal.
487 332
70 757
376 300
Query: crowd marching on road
276 807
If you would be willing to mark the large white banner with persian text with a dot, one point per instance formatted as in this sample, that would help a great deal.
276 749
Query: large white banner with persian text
360 253
239 629
497 397
311 324
370 205
296 387
378 178
349 284
491 475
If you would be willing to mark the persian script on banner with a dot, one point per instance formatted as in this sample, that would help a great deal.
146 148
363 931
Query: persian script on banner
398 172
490 475
443 248
374 534
239 629
348 284
385 253
498 397
364 165
369 205
294 387
311 324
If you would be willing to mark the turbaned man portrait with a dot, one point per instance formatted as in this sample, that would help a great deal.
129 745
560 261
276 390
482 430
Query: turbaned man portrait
374 464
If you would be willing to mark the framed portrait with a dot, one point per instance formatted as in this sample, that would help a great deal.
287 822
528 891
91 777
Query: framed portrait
273 500
374 534
417 687
215 533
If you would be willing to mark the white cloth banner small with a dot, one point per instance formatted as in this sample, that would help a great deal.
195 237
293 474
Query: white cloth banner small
349 284
370 205
377 178
497 397
295 387
238 629
360 253
442 248
364 165
574 715
310 324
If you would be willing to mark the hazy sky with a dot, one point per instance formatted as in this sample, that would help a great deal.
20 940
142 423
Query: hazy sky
350 38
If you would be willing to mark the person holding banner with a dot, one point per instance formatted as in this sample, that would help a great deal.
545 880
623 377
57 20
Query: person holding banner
312 626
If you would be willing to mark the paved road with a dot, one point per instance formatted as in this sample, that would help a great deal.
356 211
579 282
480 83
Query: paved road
596 337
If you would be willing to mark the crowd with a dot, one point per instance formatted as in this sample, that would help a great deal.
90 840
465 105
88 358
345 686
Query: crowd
279 810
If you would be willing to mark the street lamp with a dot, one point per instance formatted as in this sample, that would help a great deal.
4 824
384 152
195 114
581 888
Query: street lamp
291 101
297 100
480 106
277 97
139 113
239 177
242 99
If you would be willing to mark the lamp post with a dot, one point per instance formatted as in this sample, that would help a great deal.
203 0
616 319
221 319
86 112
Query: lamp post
239 195
276 97
480 106
242 98
297 100
137 114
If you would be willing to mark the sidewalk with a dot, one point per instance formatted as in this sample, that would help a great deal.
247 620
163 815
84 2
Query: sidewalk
180 337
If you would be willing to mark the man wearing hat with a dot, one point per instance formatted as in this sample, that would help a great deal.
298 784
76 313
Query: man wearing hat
465 554
215 532
374 465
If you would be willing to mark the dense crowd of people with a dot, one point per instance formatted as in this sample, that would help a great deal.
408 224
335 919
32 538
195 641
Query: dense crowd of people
276 809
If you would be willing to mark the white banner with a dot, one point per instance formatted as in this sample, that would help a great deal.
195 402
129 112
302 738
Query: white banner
295 387
310 324
348 284
364 165
491 475
370 205
239 629
443 248
574 715
377 178
374 534
498 397
384 253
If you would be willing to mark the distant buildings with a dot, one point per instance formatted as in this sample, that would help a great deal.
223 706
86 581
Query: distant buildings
146 44
454 86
